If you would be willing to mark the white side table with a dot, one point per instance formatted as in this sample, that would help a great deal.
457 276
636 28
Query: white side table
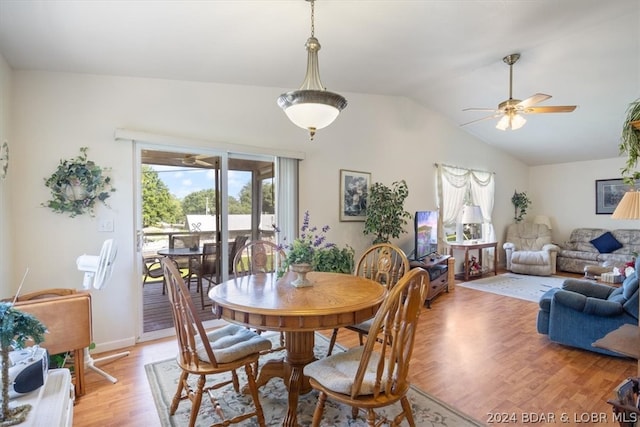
52 404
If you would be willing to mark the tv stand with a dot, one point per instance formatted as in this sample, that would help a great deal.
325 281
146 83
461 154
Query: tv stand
441 274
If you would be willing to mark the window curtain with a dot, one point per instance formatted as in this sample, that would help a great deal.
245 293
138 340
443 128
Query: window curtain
482 189
452 188
457 186
287 197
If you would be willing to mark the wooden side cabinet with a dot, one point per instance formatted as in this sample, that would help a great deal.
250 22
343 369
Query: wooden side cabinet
441 275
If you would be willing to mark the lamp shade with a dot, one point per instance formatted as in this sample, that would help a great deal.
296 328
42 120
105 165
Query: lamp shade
471 214
511 121
311 109
542 219
629 206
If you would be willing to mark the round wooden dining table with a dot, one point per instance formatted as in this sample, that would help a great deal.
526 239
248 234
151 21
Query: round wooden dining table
263 302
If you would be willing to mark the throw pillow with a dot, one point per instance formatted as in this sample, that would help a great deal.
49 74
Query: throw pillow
606 243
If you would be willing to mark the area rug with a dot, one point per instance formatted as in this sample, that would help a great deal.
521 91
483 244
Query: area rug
163 377
521 286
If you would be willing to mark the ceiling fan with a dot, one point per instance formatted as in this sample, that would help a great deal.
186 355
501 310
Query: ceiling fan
511 110
199 159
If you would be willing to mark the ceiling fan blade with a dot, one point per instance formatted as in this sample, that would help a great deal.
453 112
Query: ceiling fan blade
533 100
480 109
493 116
510 108
202 163
550 109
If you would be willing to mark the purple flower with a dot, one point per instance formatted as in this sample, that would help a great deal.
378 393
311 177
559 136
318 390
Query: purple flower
310 238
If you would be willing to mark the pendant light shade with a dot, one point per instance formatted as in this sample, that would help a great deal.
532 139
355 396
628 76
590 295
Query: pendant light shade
312 107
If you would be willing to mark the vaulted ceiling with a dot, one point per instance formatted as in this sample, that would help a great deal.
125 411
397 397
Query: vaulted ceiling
444 55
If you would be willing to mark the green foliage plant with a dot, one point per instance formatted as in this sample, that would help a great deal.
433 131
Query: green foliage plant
521 203
158 204
386 216
200 202
630 143
334 259
16 328
312 247
76 185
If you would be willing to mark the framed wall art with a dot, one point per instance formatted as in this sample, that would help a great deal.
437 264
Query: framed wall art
353 190
609 192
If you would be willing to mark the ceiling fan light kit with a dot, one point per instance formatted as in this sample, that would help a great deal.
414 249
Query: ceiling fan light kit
511 111
511 121
312 107
196 160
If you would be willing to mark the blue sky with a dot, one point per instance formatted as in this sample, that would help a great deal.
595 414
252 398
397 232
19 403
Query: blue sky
184 180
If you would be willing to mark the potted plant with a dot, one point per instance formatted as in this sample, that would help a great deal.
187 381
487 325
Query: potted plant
521 203
77 184
16 327
630 142
334 259
386 216
311 252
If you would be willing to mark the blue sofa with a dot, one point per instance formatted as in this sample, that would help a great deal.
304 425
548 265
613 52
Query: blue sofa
582 311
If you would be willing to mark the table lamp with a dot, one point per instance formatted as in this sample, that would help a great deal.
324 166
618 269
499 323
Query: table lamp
629 206
471 219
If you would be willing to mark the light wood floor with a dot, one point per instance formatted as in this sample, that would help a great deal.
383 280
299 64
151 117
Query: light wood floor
476 351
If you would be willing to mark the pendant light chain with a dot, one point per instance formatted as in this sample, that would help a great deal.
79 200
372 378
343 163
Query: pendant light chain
313 14
312 107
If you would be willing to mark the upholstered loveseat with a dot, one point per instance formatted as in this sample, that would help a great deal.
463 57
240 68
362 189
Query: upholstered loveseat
583 311
579 252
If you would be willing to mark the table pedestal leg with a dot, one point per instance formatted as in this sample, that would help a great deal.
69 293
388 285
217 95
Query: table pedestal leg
299 353
271 369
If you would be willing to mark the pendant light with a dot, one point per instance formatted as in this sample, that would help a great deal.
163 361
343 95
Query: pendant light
312 107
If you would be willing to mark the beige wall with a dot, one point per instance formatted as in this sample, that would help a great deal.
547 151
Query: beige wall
7 283
566 192
54 114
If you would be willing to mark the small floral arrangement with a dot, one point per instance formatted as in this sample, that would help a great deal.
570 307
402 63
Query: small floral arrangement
474 268
77 184
313 248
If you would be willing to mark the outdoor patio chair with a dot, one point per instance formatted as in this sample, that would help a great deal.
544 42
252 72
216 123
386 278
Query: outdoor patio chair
190 263
151 268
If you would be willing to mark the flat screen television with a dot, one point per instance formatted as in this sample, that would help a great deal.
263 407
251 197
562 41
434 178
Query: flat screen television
426 234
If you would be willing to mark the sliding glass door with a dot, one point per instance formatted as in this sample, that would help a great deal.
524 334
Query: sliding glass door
203 197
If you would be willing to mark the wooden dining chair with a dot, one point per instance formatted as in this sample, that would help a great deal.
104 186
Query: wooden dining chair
258 256
206 354
375 375
384 263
